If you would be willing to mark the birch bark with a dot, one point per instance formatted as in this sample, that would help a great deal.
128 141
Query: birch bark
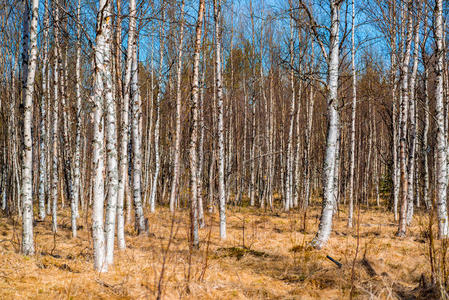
353 116
102 67
289 158
412 118
333 126
194 134
427 201
136 134
77 158
123 167
29 72
443 229
55 125
219 82
43 121
403 123
393 82
111 141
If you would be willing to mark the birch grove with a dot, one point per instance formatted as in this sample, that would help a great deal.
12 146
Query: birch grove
115 113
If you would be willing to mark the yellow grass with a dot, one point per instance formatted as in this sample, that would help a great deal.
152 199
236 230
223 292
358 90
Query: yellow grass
276 262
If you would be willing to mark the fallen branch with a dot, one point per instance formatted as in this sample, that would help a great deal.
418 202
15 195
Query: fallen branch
334 261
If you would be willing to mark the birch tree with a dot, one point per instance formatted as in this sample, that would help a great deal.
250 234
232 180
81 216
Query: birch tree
289 158
353 115
333 126
123 168
412 118
425 145
43 121
111 144
29 72
194 133
77 156
443 229
219 87
136 134
177 154
102 62
55 125
393 81
403 121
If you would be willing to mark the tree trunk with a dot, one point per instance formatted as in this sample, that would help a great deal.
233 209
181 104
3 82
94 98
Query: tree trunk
123 168
43 121
353 116
443 229
425 145
111 145
219 83
29 72
333 126
177 154
102 67
201 221
412 118
55 126
393 82
136 134
194 134
403 124
76 171
289 158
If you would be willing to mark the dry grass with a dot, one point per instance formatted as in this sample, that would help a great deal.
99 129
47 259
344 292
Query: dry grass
276 262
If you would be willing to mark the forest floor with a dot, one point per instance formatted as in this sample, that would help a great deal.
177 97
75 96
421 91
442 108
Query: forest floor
266 256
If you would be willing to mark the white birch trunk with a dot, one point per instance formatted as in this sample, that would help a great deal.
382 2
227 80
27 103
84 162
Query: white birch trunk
43 121
194 134
111 141
353 116
55 125
403 123
201 221
123 168
29 36
101 62
289 158
296 185
443 229
77 154
427 201
136 134
325 226
252 192
395 173
268 189
221 158
412 118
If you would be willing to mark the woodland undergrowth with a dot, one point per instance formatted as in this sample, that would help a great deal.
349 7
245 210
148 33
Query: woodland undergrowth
266 256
